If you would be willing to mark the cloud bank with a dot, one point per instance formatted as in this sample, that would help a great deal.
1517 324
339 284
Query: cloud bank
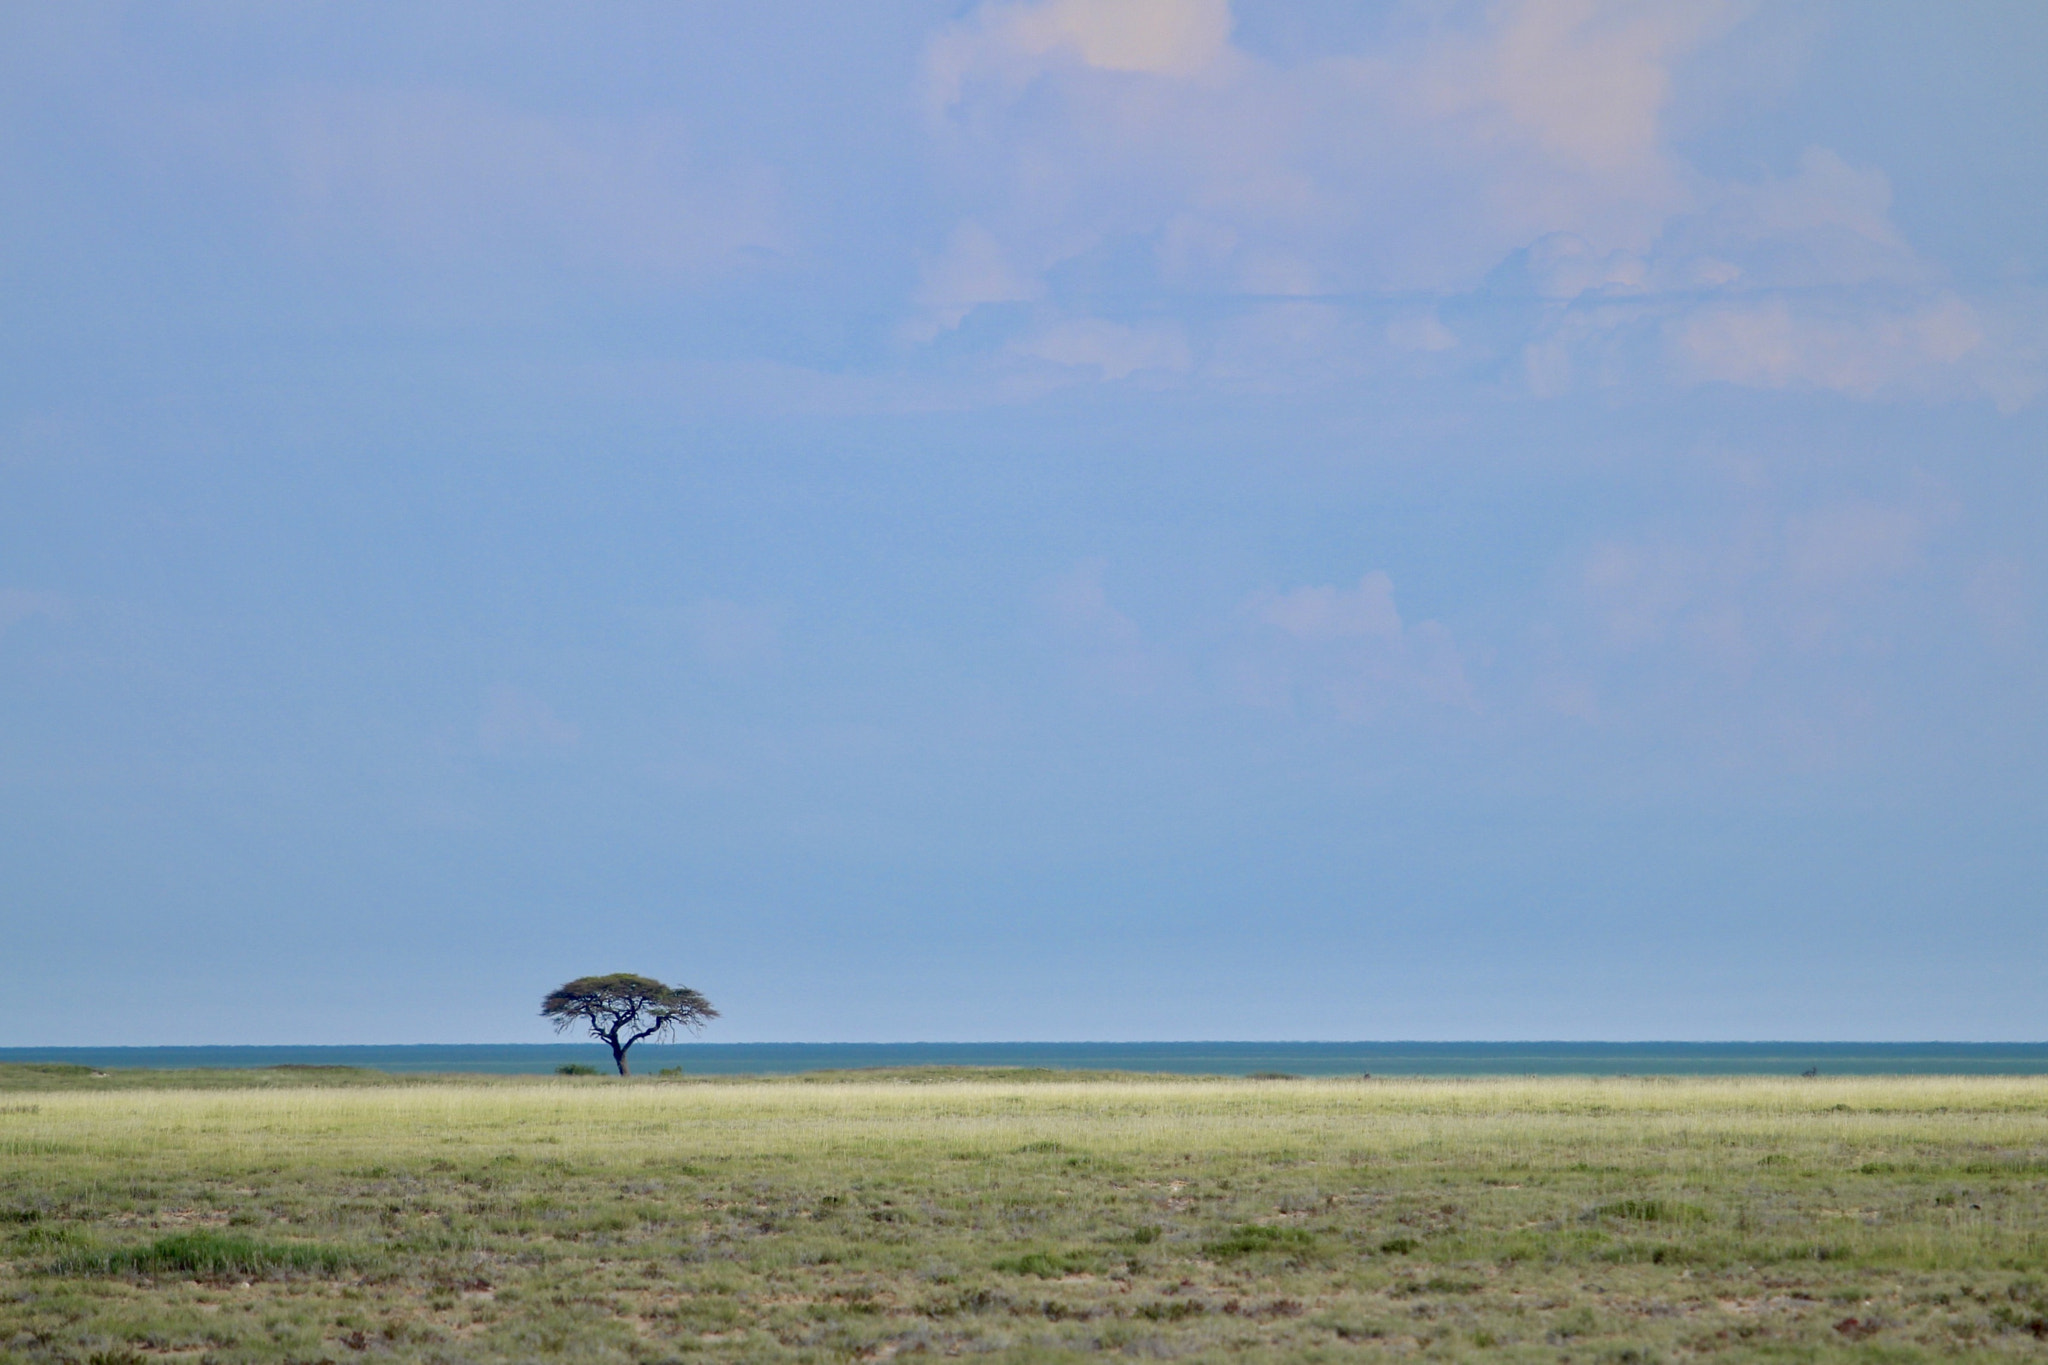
1108 159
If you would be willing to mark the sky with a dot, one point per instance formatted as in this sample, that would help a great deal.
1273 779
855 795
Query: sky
1030 519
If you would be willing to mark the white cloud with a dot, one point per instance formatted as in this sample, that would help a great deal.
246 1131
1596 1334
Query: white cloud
1418 165
1828 223
517 722
1329 613
1276 346
1763 570
1640 592
1107 647
1563 265
1863 350
1587 81
464 182
18 604
1527 134
973 269
1158 37
735 635
1772 636
1996 598
1319 651
1793 282
1345 650
1115 351
1010 45
1841 546
1421 332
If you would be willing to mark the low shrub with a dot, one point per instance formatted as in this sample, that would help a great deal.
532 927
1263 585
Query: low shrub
209 1254
1652 1211
1254 1238
42 1237
1050 1265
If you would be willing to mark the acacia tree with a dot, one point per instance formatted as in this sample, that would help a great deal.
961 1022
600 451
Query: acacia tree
622 1009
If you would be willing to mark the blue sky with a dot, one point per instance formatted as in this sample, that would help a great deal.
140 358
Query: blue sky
1058 519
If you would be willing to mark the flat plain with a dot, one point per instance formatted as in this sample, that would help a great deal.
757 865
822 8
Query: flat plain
308 1216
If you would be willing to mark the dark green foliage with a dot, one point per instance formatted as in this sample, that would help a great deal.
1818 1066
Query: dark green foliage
623 1009
43 1237
1446 1284
1578 1322
1254 1238
1651 1211
575 1069
211 1254
1399 1246
1050 1265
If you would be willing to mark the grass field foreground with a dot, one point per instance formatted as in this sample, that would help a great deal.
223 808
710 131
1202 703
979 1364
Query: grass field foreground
1023 1217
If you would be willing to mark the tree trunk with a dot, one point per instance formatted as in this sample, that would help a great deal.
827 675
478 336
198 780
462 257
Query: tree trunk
619 1056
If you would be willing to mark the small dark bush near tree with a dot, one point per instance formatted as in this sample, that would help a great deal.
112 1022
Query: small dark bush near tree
623 1009
575 1069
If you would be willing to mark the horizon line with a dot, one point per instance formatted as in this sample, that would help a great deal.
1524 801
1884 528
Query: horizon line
1093 1042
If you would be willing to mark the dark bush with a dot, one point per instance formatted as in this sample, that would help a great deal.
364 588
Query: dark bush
1254 1238
1652 1211
1050 1265
209 1254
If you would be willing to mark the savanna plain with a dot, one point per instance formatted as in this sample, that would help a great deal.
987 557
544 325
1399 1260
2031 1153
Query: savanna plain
313 1216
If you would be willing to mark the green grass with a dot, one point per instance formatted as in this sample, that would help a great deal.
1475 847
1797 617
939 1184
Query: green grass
208 1254
309 1216
1254 1238
1050 1265
16 1077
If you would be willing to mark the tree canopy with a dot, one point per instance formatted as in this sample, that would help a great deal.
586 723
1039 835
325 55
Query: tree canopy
623 1009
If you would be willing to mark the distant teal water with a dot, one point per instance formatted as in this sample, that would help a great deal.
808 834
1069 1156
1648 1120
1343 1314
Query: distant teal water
1226 1059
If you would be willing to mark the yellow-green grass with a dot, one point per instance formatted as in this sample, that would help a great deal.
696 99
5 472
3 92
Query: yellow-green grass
1024 1217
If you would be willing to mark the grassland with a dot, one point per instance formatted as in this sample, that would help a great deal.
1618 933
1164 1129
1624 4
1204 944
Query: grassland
310 1217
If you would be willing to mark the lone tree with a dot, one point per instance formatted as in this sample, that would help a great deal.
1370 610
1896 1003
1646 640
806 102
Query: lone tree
622 1009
